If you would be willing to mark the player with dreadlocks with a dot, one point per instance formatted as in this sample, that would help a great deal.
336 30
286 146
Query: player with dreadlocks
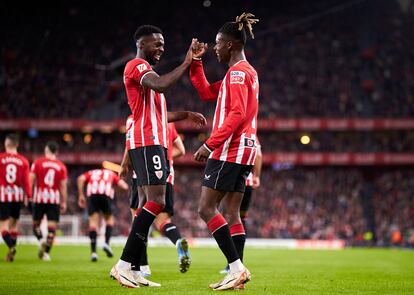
231 149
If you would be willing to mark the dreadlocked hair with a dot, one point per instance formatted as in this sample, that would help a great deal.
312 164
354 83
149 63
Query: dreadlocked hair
146 30
238 28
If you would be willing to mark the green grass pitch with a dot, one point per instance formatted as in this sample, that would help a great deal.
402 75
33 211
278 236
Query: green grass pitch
274 271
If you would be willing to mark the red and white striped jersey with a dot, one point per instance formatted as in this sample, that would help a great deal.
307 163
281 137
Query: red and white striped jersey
149 108
49 174
233 138
14 178
101 182
172 136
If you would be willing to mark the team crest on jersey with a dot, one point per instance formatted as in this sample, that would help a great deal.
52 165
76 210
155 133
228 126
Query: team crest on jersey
142 67
159 174
237 77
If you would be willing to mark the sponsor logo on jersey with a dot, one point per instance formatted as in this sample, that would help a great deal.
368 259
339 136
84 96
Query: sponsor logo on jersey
207 177
249 142
237 77
142 67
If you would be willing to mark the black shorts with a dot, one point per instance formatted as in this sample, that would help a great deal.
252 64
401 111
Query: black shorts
134 196
169 197
99 203
225 176
247 197
52 212
150 165
10 209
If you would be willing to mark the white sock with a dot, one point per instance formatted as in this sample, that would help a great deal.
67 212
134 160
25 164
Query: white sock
236 266
136 272
145 268
123 264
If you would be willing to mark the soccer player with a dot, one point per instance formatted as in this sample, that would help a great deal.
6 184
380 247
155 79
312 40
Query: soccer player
49 178
147 142
14 191
100 195
137 197
231 148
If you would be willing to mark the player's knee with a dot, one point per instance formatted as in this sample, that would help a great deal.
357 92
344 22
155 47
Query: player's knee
206 213
4 227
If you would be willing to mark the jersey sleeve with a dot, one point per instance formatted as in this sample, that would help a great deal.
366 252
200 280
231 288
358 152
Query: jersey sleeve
87 175
238 94
205 90
64 172
141 68
115 178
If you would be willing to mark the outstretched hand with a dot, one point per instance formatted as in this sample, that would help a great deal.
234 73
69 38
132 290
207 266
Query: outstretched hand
199 49
82 202
256 182
189 56
63 207
198 119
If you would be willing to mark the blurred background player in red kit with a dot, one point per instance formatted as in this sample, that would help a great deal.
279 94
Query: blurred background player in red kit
14 191
49 179
100 194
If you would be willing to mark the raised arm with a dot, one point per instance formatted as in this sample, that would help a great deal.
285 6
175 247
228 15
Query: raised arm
206 91
161 83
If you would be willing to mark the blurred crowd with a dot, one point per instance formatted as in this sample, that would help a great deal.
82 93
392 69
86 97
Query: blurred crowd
312 60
